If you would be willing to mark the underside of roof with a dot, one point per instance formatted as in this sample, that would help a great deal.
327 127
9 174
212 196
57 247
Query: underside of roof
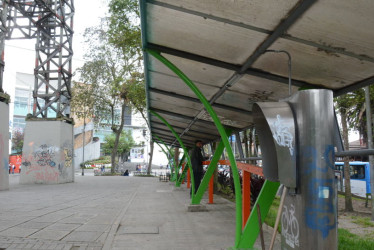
230 50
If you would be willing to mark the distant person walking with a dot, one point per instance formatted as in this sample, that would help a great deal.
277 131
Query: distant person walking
197 159
13 168
19 168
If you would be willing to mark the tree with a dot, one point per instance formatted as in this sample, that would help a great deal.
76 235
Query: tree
125 34
113 71
17 141
345 104
126 142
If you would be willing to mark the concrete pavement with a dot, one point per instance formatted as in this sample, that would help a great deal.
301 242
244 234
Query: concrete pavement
102 212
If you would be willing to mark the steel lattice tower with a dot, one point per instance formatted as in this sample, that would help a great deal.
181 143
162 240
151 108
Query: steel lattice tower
51 23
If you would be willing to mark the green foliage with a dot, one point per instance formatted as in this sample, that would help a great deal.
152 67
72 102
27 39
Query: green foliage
17 141
348 241
112 75
101 160
126 142
363 221
353 104
272 215
124 26
125 35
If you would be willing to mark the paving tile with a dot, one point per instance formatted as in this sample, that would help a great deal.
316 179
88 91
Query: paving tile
93 228
34 224
82 236
18 232
50 234
74 220
63 226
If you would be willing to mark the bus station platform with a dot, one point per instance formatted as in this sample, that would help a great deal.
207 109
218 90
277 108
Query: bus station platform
113 212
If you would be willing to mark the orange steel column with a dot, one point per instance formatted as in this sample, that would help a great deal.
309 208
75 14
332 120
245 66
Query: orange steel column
188 178
211 190
246 196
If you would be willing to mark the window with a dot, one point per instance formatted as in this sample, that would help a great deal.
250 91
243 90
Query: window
19 123
357 172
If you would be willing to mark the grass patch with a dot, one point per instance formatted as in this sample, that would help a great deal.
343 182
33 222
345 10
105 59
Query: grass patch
272 215
341 195
348 241
362 221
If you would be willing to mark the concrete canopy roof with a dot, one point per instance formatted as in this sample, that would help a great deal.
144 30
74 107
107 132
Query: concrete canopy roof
221 46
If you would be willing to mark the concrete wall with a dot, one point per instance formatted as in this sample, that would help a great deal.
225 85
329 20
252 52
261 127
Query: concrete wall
47 153
4 146
91 152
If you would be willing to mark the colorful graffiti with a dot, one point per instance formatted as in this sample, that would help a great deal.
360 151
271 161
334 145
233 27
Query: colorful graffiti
319 214
44 156
48 163
68 157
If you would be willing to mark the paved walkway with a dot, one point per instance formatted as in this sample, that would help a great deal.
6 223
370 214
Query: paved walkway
99 212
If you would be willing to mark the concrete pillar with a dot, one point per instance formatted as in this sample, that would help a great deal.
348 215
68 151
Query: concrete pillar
4 146
309 217
48 152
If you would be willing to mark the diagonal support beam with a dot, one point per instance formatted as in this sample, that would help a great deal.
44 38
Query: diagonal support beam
252 228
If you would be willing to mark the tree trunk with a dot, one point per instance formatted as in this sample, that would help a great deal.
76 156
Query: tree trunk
150 157
176 162
114 152
347 175
117 132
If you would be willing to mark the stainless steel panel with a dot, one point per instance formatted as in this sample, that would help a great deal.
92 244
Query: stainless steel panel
275 126
309 218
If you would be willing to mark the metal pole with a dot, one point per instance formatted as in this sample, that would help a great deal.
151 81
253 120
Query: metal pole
370 145
84 133
3 30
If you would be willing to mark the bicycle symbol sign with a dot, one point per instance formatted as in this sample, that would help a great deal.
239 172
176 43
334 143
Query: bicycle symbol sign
290 226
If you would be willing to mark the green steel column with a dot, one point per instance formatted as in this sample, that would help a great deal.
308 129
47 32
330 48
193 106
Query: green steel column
264 200
221 130
182 145
163 150
172 166
208 174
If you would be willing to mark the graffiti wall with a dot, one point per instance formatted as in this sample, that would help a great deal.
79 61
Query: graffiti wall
47 153
4 146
